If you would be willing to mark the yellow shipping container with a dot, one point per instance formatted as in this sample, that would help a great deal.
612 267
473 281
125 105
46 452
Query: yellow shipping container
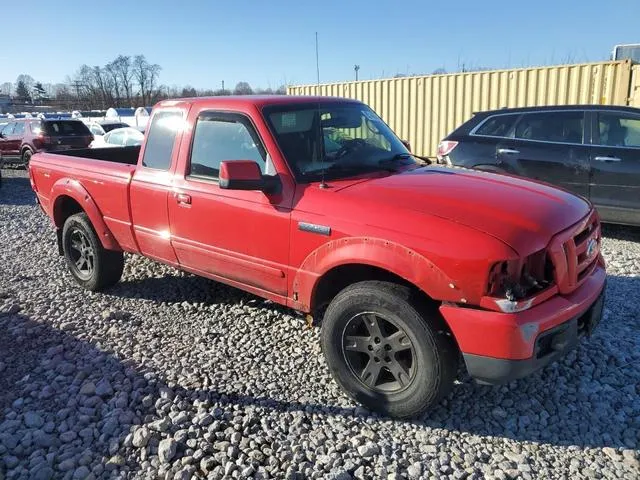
425 109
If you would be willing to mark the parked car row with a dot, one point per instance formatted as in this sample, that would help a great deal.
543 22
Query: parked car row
21 138
593 151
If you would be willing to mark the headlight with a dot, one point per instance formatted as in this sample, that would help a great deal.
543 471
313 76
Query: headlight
512 283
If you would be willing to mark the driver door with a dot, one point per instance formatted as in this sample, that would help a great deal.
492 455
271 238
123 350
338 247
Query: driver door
239 237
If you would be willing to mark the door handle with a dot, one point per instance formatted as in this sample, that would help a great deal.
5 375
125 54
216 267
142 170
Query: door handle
183 198
508 151
607 159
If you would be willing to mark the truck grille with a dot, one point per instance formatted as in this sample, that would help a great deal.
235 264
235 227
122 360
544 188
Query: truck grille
574 253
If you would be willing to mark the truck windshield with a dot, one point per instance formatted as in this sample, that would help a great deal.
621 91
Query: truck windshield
334 140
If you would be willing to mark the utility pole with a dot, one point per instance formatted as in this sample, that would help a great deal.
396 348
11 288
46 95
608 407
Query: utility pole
222 86
317 62
356 68
77 86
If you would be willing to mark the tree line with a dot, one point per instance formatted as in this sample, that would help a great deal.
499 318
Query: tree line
126 81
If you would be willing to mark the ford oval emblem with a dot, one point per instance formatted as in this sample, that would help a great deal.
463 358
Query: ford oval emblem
591 247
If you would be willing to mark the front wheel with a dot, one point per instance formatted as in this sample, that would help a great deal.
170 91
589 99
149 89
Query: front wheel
91 265
387 349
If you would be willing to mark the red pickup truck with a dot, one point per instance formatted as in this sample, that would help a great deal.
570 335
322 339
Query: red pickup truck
316 204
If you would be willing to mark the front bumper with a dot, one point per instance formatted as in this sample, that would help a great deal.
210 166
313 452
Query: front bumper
549 346
499 347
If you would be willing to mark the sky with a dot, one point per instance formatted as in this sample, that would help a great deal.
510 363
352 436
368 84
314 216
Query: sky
270 43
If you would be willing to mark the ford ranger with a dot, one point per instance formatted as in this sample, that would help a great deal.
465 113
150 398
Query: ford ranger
314 203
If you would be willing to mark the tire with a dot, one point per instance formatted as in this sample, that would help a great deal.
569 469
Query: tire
420 383
91 265
26 157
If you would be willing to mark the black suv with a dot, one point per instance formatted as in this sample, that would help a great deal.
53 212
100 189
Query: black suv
592 150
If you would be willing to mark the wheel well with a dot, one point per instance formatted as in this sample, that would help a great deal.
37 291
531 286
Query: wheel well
338 278
64 207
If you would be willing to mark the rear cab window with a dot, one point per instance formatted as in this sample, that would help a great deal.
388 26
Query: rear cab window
69 128
161 139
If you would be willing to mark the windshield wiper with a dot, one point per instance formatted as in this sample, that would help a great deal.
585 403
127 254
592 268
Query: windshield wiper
400 156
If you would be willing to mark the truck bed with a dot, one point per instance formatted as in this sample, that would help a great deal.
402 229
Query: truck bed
102 175
126 155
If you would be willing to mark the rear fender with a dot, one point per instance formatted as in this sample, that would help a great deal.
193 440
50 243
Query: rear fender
392 257
73 188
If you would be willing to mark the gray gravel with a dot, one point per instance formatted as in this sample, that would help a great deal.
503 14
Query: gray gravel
168 375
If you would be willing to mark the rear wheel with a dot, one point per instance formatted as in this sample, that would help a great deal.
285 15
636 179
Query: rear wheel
26 157
387 349
91 265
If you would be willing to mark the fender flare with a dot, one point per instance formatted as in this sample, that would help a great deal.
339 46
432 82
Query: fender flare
72 188
392 257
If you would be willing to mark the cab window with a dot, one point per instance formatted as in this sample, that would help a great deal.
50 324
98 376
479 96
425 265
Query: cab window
161 139
223 137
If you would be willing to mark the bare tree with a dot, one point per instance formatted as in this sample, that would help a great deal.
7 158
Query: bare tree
27 80
242 88
122 65
6 88
113 76
189 92
146 75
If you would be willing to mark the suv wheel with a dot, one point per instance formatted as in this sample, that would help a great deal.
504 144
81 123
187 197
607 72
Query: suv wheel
26 157
92 266
387 349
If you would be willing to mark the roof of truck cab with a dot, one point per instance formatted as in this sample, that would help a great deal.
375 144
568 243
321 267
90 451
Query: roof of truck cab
257 100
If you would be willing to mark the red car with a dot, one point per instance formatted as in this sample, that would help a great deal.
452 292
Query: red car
21 138
314 203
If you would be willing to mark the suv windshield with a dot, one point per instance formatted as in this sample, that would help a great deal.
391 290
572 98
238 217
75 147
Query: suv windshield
334 140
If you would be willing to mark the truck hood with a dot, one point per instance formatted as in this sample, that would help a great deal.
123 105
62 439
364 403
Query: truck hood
521 213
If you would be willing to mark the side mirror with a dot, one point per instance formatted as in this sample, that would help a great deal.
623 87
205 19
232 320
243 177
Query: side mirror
406 144
245 175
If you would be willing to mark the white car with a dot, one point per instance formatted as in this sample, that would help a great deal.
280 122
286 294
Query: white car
119 137
97 131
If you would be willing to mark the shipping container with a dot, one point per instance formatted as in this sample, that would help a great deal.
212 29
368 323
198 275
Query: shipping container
424 109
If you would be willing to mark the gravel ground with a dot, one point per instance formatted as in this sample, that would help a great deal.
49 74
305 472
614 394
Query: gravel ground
168 375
